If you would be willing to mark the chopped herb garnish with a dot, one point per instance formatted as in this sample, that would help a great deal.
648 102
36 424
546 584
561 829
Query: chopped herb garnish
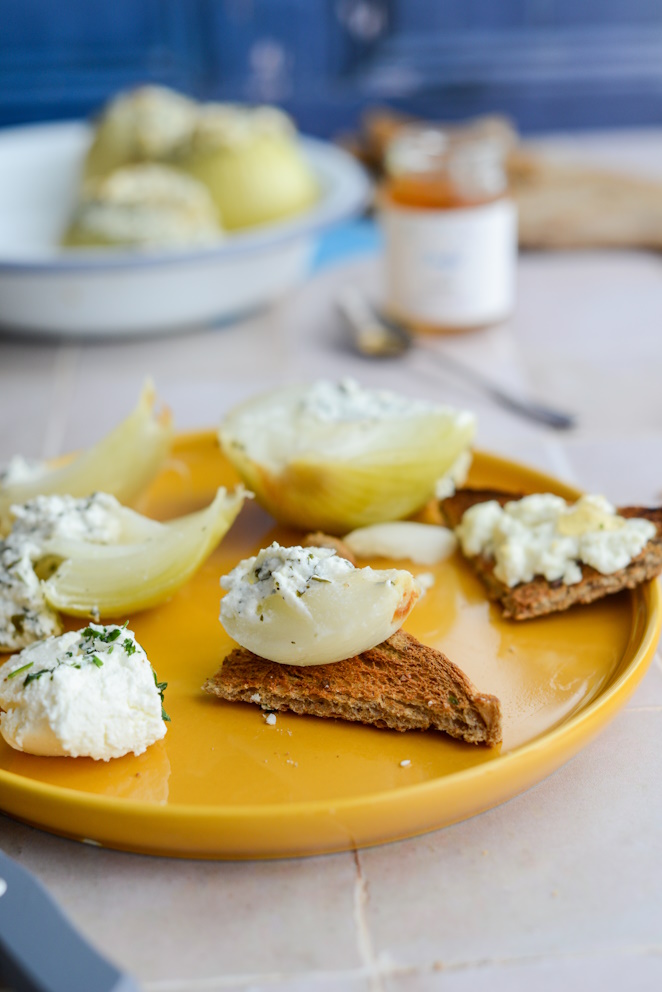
108 635
37 675
17 671
161 686
97 661
18 622
128 646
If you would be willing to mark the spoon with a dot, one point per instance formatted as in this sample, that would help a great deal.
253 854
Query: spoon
378 336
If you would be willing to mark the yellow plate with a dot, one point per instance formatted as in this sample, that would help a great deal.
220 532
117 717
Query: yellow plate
224 783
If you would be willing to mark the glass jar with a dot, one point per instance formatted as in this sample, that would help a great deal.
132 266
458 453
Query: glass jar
450 228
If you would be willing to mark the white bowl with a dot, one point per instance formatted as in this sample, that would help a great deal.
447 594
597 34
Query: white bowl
47 290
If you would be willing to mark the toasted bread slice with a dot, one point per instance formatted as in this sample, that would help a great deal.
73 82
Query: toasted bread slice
539 597
400 684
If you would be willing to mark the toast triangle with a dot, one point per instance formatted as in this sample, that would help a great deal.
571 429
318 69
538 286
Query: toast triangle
400 684
540 597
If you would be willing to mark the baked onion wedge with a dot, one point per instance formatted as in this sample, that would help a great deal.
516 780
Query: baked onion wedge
307 606
122 463
338 472
107 580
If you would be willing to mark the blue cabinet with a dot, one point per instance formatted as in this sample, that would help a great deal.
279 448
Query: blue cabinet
548 63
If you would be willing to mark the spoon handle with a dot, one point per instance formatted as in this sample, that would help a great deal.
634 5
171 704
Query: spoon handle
377 335
40 951
527 408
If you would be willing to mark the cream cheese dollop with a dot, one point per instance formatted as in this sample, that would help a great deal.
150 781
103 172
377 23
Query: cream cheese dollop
544 535
92 518
347 401
25 616
308 606
343 419
88 693
20 469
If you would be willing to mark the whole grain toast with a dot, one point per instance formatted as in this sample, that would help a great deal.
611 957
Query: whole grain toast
540 597
400 684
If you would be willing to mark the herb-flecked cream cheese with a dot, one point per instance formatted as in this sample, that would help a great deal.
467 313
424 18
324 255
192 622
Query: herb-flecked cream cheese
88 693
25 615
309 606
544 535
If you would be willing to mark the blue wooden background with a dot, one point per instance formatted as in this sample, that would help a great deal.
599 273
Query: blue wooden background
548 63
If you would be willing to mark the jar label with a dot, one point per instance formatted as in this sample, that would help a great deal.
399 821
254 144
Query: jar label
452 268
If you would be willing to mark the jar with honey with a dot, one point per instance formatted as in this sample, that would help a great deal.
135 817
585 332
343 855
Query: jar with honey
450 228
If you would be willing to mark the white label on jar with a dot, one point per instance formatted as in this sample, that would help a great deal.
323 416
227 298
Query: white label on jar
451 267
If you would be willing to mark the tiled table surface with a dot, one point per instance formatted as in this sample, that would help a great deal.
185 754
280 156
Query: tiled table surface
562 886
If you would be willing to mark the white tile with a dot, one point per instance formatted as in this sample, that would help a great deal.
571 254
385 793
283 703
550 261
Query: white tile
166 919
28 396
572 866
626 470
274 982
649 692
308 982
637 969
587 325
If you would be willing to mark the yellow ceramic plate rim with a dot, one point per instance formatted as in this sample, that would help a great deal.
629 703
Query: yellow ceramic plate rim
566 739
585 717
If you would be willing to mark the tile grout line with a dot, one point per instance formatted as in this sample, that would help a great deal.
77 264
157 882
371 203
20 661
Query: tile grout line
541 958
363 937
246 980
66 365
368 968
